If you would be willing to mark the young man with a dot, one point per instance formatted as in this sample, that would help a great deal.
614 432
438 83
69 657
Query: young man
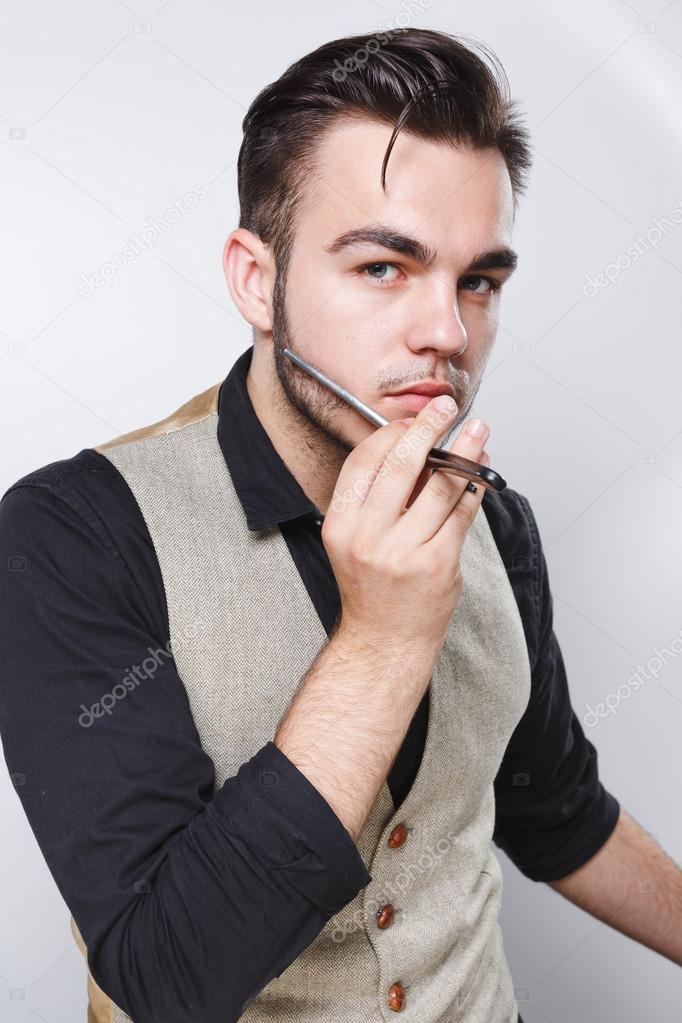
269 686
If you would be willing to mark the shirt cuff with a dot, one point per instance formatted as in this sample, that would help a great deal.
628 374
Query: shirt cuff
286 822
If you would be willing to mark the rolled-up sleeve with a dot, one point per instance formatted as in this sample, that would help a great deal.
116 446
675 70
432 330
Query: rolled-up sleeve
189 900
552 811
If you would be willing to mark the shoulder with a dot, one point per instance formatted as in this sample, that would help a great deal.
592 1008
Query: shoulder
77 515
67 477
88 484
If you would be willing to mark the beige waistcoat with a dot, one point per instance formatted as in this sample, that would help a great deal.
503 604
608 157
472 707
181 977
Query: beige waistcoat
260 634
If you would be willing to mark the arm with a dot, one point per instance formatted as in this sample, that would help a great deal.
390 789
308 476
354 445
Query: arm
395 557
345 724
632 885
189 901
560 825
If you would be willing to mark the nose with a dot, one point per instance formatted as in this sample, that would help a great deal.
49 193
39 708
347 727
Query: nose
436 322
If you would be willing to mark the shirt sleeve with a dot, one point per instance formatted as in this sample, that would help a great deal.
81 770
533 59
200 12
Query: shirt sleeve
552 811
189 902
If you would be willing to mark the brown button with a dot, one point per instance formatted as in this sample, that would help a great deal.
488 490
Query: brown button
396 997
385 916
397 836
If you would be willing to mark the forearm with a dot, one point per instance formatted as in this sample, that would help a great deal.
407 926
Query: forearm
634 886
345 724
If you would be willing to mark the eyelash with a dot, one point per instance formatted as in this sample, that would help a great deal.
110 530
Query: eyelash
495 285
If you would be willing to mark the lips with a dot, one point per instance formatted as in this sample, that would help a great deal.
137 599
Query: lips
410 400
414 398
428 388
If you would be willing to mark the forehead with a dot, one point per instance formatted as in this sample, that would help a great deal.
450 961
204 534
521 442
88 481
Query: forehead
436 191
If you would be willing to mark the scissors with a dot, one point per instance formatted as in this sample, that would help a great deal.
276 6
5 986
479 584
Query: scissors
437 458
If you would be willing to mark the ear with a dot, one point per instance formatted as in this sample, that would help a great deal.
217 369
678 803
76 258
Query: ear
250 274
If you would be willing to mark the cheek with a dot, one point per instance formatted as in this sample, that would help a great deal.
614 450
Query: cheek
313 299
481 324
337 312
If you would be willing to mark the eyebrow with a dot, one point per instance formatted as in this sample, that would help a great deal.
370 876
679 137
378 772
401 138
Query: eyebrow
388 238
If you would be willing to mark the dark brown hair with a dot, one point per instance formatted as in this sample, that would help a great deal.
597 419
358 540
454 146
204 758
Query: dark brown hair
430 82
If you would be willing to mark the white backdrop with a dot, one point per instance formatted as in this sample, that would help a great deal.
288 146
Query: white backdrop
111 112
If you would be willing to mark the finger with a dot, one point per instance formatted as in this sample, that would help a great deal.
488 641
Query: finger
360 469
458 522
422 479
402 466
454 529
444 490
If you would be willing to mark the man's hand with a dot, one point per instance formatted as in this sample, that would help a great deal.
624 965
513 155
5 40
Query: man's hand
398 573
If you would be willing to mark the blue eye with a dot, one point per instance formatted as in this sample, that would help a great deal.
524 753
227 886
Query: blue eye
493 285
376 272
383 280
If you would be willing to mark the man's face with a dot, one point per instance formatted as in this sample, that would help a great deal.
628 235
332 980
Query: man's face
374 318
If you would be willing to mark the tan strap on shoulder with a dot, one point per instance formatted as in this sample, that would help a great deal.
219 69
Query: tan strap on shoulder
194 410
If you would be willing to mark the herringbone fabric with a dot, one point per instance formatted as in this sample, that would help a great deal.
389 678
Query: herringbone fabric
244 632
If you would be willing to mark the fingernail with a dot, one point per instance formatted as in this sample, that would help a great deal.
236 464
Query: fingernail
444 403
476 427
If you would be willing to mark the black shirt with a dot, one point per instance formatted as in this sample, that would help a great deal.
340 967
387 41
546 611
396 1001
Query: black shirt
190 902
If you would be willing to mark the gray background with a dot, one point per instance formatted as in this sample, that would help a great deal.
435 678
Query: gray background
110 111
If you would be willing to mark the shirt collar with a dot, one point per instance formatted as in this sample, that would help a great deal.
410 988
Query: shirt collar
268 492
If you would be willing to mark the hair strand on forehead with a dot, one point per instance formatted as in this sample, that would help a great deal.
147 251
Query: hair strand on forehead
433 85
